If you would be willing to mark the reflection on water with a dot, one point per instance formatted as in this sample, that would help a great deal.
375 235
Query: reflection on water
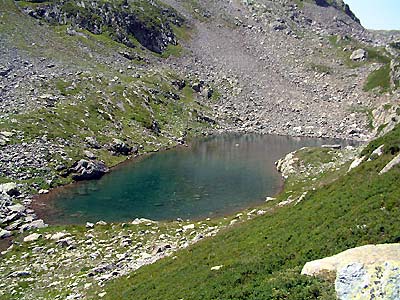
216 175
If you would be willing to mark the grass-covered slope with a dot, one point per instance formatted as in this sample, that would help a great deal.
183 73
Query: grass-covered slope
262 258
73 85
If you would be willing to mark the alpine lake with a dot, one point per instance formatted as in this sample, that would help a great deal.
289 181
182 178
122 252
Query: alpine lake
214 176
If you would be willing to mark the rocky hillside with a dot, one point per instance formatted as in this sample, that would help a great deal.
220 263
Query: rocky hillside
85 85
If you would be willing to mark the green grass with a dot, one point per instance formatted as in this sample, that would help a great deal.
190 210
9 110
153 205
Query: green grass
173 50
262 258
391 140
379 78
375 54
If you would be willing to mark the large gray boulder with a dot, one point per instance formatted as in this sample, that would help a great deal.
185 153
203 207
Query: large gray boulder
367 272
119 147
88 170
359 55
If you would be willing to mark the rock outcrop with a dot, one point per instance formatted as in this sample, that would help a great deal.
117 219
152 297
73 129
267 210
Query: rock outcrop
367 272
149 22
359 55
88 170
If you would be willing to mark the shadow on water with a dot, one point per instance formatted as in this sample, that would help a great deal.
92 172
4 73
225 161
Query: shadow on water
216 175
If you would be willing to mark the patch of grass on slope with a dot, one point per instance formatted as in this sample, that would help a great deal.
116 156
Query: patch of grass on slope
262 258
379 78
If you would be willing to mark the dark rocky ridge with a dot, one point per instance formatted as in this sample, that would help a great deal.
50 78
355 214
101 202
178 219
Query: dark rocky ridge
339 4
122 20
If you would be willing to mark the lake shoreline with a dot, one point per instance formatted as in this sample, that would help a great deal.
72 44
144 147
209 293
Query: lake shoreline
42 204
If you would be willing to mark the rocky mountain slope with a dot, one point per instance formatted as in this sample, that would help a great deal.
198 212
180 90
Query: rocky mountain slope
85 85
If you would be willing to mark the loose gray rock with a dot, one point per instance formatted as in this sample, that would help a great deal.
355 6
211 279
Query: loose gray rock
5 234
17 208
32 237
120 147
359 55
37 224
9 188
88 170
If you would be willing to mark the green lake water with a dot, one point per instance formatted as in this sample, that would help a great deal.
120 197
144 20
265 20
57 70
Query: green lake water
214 176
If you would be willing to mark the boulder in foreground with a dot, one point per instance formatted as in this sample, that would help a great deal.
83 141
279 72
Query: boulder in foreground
367 272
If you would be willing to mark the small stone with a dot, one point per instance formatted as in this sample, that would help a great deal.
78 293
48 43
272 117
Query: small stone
89 154
89 225
37 224
5 234
21 274
17 208
58 236
216 268
32 237
43 191
188 227
9 188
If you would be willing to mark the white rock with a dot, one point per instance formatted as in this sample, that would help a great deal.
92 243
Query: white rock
364 254
5 234
18 208
6 134
359 54
89 225
356 163
216 268
394 162
188 227
378 151
58 236
6 188
43 191
32 237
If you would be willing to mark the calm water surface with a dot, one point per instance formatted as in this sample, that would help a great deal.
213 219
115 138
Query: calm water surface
215 176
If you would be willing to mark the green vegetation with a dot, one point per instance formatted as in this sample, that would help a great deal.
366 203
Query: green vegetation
391 141
262 258
102 98
379 78
377 55
150 19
